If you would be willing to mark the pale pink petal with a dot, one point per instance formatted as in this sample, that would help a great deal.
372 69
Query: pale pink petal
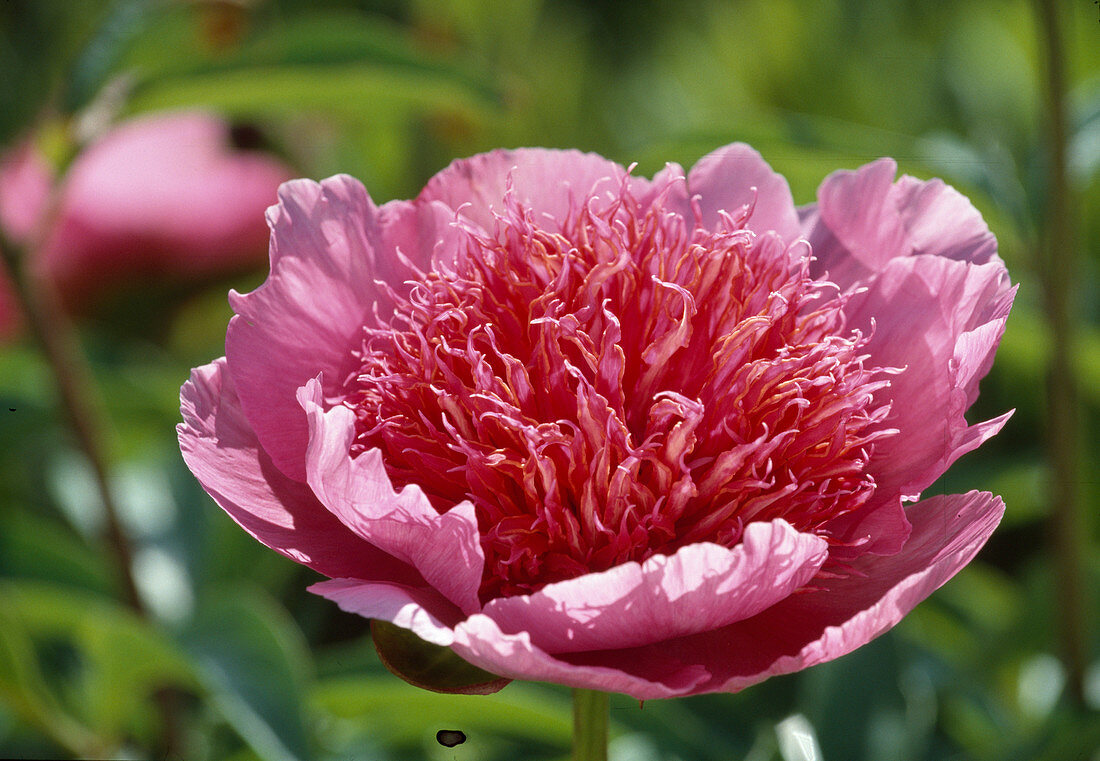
866 216
670 186
941 221
329 244
831 260
480 641
725 179
804 630
445 548
221 450
928 315
421 610
549 182
701 587
973 357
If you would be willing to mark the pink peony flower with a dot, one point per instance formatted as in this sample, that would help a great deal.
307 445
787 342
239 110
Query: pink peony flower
659 437
162 195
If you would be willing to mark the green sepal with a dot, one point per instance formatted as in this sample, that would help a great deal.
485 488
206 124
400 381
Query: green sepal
428 666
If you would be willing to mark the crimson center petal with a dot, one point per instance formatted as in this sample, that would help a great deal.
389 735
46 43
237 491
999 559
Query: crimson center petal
618 384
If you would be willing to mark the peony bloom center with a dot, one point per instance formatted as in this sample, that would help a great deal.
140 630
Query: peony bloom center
618 384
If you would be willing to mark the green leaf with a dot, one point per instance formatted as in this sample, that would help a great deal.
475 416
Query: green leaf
396 714
252 660
339 64
32 547
122 658
100 55
347 89
82 668
24 690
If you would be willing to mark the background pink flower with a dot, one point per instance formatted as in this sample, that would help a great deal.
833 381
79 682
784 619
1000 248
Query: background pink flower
158 196
658 437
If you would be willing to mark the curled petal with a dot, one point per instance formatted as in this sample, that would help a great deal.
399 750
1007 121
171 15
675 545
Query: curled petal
409 636
863 219
940 320
948 531
481 642
222 451
443 548
701 587
835 618
421 610
329 246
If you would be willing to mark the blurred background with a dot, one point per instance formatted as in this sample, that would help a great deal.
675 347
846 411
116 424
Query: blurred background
141 142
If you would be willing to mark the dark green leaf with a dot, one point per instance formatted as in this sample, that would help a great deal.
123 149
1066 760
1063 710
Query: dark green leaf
252 661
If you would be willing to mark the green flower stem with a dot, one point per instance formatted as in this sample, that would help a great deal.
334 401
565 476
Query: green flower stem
55 336
50 326
590 712
1058 268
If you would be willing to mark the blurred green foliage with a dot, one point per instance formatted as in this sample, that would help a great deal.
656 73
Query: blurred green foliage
391 91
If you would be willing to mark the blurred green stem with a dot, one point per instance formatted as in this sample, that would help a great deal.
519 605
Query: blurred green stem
1057 266
51 329
50 326
590 718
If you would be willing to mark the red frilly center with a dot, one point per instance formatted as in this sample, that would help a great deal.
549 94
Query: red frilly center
619 384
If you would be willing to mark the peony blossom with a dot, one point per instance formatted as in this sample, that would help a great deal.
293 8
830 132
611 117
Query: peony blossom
157 196
659 437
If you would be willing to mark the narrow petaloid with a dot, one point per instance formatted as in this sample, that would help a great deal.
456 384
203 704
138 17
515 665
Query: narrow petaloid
619 384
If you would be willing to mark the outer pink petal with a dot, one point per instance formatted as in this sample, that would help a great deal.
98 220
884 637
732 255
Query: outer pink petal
804 630
329 244
420 610
830 257
725 179
941 320
818 626
445 548
481 642
701 587
863 220
221 450
549 182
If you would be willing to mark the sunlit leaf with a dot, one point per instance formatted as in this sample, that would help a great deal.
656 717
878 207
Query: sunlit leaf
348 89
